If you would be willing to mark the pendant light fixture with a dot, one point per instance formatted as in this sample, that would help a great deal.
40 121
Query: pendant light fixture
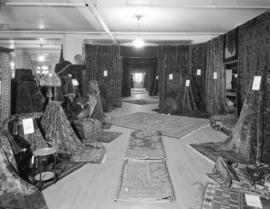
138 42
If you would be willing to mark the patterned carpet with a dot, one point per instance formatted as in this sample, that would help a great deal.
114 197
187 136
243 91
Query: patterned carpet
216 197
173 126
212 150
61 170
141 101
145 181
143 145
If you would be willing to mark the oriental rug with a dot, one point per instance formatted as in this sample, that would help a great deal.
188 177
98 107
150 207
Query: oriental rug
216 197
145 145
145 181
61 170
169 125
104 136
213 150
141 101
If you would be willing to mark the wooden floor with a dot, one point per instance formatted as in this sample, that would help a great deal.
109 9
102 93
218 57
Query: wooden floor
94 186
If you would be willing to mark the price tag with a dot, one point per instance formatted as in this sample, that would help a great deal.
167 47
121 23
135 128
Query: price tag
28 126
170 76
215 75
199 71
253 200
105 73
256 83
157 77
187 82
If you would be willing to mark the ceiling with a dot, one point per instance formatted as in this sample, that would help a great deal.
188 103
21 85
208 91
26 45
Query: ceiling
42 24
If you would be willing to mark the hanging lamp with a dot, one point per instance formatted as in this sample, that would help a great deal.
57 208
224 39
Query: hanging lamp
138 42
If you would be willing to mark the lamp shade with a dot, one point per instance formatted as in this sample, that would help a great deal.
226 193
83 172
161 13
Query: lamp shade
51 79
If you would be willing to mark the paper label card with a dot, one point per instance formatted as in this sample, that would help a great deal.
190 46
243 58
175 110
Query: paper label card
170 76
75 82
28 126
105 73
253 200
187 82
157 77
199 71
215 75
256 83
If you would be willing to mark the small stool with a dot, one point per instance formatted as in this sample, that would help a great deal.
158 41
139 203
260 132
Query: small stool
44 176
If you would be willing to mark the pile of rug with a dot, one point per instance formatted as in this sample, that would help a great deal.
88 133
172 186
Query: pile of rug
145 177
60 135
173 126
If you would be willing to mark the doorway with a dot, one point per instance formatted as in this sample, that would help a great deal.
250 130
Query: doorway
139 76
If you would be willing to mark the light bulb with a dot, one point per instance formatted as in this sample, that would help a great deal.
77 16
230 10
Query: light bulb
138 43
41 58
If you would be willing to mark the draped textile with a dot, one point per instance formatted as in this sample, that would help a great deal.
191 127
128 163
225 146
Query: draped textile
198 62
215 88
5 78
127 82
172 60
100 58
28 97
59 134
14 191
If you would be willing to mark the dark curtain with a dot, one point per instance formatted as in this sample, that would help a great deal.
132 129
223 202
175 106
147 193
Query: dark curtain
152 80
172 60
215 88
198 62
126 81
100 58
28 97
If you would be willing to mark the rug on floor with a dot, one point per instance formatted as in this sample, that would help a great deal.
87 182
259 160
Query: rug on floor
173 126
61 170
145 145
216 197
104 136
141 101
145 181
212 150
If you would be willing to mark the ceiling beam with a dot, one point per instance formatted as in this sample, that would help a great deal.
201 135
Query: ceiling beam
91 7
109 4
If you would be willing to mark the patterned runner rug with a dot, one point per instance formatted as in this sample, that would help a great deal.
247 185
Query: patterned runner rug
145 181
141 101
173 126
145 145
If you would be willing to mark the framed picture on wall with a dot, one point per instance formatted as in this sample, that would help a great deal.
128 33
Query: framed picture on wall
230 47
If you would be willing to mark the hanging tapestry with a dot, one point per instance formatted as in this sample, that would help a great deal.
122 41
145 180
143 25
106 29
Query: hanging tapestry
230 46
5 83
104 64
